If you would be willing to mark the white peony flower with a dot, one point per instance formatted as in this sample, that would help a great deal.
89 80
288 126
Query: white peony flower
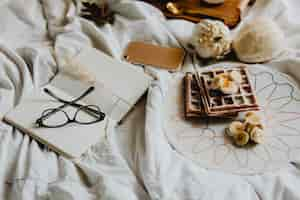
211 39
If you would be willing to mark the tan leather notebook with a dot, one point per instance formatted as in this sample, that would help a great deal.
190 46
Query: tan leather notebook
157 56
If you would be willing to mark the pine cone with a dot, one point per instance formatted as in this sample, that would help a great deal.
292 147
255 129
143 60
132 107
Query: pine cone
100 15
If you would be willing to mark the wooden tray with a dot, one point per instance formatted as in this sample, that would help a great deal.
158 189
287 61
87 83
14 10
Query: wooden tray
230 12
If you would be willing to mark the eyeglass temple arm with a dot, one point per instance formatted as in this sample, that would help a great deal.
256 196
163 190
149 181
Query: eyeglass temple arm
73 102
89 90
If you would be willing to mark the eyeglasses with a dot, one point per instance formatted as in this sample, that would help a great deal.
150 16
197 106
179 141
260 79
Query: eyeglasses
57 117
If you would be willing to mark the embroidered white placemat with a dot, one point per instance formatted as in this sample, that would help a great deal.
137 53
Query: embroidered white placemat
204 140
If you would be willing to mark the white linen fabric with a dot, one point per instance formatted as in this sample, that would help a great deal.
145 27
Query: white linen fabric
136 161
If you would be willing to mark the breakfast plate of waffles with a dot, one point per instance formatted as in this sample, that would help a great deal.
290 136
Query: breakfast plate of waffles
196 126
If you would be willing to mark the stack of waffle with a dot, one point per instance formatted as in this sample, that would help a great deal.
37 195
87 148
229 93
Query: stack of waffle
202 101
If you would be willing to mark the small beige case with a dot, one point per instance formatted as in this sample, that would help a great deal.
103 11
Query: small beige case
168 58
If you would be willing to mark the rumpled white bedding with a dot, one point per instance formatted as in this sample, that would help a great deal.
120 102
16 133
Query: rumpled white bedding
136 161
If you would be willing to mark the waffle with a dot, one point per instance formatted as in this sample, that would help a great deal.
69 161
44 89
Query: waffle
193 102
194 107
217 103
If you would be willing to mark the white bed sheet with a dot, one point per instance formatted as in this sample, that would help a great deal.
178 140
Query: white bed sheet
136 162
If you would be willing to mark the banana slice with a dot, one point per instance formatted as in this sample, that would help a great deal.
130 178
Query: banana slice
218 81
215 84
229 87
249 127
228 132
257 135
252 118
248 114
236 77
241 138
235 127
224 83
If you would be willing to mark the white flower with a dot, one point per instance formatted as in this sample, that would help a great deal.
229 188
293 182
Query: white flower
211 39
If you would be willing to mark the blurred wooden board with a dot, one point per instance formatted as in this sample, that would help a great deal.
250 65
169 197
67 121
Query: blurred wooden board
230 12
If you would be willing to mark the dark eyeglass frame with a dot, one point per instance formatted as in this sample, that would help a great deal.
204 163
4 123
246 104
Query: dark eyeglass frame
93 110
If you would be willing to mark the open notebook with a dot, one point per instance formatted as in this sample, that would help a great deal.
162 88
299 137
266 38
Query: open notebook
118 86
